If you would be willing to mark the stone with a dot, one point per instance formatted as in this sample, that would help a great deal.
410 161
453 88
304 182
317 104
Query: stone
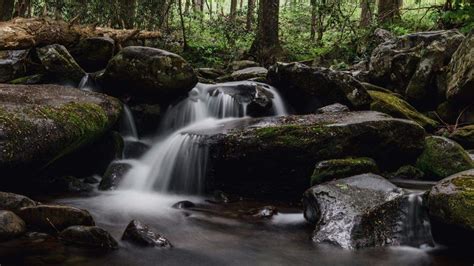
93 54
11 225
209 73
141 234
249 73
460 77
185 204
89 237
29 80
464 136
340 168
333 108
113 175
408 172
241 64
14 202
266 212
12 64
134 149
60 64
147 117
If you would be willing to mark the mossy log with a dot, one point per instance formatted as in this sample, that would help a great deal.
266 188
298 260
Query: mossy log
24 33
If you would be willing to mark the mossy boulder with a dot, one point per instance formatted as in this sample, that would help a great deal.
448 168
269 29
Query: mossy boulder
397 107
308 88
460 76
443 157
451 208
88 237
274 157
249 73
14 202
155 75
408 172
60 64
93 54
39 124
12 64
453 113
341 168
464 136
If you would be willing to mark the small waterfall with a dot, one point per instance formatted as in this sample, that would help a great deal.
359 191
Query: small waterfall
416 225
86 83
127 126
177 161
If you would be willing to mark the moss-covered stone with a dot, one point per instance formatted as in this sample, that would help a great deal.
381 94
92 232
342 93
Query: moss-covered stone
464 136
60 64
41 123
396 107
460 76
408 172
451 209
341 168
443 157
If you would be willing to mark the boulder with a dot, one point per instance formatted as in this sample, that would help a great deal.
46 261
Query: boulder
12 64
443 157
355 212
396 107
241 64
209 73
51 218
60 64
93 54
140 234
154 75
10 225
89 237
14 202
408 172
333 108
29 80
265 212
453 113
147 117
451 209
134 149
249 73
275 155
113 175
460 77
308 88
40 124
414 64
464 136
340 168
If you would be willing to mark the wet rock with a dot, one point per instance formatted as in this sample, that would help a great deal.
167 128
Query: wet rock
371 87
147 117
460 78
52 218
265 157
42 123
93 54
408 172
14 202
464 136
60 64
88 236
451 210
333 108
383 35
340 168
241 64
264 212
184 205
309 88
29 80
113 175
355 212
154 75
443 157
249 73
91 180
396 107
140 234
134 149
69 184
209 73
12 64
221 197
11 225
453 113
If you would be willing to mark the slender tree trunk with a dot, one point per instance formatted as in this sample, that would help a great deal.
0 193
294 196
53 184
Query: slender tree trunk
250 14
389 10
366 12
233 10
22 8
127 12
313 19
6 9
266 46
187 5
181 18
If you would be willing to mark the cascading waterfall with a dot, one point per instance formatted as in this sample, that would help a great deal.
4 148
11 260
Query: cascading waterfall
416 225
127 127
177 162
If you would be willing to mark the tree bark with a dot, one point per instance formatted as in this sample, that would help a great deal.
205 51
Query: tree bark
233 10
266 46
181 18
127 13
389 10
6 9
250 14
366 13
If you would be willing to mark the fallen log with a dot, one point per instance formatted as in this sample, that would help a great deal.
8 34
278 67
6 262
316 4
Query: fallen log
24 33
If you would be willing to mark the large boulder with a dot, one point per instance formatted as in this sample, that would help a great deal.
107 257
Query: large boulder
14 202
443 157
451 209
340 168
141 234
10 225
460 77
156 75
93 54
41 123
60 64
414 64
51 218
309 88
89 237
397 107
355 212
249 73
12 64
276 156
464 136
113 175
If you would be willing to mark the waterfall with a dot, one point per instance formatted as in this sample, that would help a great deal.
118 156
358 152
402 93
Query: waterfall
416 229
86 83
127 126
177 161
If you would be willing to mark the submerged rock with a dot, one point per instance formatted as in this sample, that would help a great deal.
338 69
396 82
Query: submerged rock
396 107
40 124
113 175
155 75
264 212
93 54
14 202
460 76
88 236
451 210
333 108
309 88
340 168
59 63
12 64
140 234
185 204
10 225
52 218
443 157
355 212
276 155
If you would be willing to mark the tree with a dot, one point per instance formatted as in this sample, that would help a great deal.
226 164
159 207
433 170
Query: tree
127 13
6 9
250 14
366 12
389 10
233 10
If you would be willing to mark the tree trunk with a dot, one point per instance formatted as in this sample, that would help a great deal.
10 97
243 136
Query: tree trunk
250 14
266 46
233 10
181 18
6 9
127 13
313 19
22 8
389 10
366 13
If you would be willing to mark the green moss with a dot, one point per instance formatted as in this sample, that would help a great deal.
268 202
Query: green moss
464 136
396 107
341 168
291 135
